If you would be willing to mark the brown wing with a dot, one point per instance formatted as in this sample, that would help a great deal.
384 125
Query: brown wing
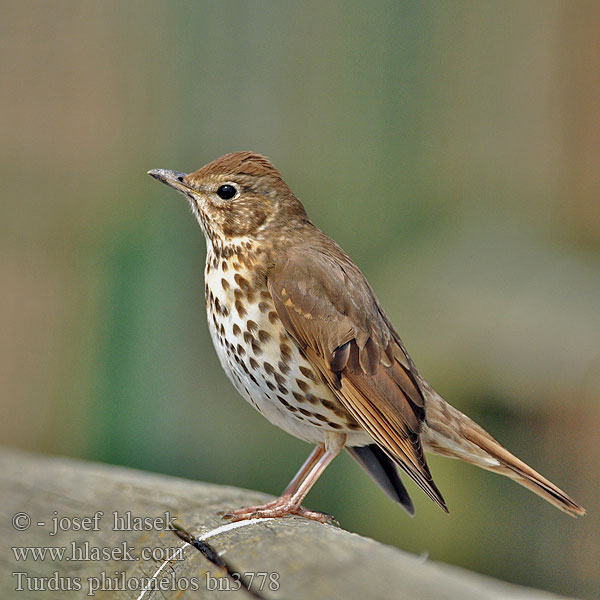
327 306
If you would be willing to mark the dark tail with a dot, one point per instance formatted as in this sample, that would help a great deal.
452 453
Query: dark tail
383 471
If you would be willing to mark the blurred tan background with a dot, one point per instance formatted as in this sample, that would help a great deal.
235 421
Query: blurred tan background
452 148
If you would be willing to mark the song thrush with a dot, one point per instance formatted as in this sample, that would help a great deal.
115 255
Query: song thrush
303 338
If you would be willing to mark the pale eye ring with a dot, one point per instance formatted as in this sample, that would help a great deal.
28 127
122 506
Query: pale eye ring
226 191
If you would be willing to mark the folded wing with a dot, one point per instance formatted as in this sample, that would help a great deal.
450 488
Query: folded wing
327 306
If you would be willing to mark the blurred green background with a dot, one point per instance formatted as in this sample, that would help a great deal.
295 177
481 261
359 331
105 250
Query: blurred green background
452 148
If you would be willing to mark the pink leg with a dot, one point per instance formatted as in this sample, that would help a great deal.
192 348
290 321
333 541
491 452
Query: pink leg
289 502
305 469
314 456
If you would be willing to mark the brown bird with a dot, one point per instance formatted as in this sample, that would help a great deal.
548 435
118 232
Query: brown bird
303 338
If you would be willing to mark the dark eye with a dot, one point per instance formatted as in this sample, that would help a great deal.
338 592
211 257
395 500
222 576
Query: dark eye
226 192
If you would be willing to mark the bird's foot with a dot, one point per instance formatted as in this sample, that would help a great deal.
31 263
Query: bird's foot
277 508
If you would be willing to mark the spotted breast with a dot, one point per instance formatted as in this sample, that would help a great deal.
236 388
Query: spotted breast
264 364
302 336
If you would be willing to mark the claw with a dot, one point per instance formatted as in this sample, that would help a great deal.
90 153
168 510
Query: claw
282 507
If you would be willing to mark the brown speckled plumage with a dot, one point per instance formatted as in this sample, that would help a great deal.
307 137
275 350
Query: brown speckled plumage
303 338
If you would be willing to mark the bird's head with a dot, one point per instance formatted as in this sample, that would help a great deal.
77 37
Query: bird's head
238 195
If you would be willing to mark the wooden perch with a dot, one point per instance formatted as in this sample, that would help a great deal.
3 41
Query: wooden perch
112 526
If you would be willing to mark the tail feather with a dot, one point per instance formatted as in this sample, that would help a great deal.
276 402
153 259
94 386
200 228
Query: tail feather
451 433
383 471
522 473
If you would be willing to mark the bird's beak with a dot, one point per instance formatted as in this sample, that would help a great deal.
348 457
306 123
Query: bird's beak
171 178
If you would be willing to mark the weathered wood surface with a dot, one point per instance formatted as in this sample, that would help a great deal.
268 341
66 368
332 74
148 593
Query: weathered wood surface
299 558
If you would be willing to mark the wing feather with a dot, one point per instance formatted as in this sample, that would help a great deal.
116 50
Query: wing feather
327 306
